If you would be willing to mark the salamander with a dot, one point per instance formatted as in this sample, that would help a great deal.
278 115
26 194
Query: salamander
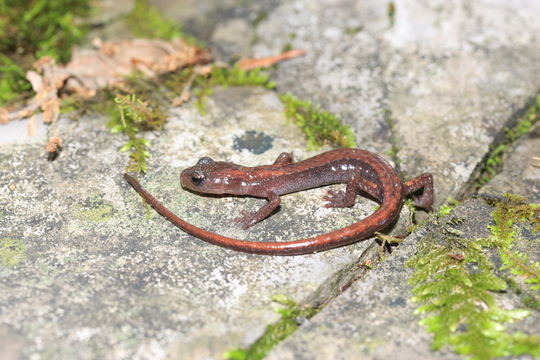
362 171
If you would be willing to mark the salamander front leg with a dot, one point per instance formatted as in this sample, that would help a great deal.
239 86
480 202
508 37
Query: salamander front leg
284 158
249 218
425 182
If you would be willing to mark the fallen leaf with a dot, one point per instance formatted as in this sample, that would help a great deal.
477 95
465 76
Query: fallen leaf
31 126
4 116
92 69
54 144
249 64
51 110
35 80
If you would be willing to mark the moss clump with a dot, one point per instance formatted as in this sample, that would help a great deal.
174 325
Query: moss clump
32 29
511 210
321 127
95 210
12 252
291 314
13 84
448 208
227 76
147 22
42 27
455 280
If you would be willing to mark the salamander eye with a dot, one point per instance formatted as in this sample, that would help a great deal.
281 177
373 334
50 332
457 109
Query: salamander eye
205 160
197 178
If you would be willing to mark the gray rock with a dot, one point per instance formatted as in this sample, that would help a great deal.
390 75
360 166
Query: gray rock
100 279
440 81
375 319
434 84
521 172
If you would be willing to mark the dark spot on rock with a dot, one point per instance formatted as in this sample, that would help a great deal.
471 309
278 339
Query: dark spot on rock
254 141
398 302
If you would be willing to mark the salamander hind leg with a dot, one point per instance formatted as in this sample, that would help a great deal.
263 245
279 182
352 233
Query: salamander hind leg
337 199
423 182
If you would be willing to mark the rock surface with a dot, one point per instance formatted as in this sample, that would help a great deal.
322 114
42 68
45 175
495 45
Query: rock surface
101 276
429 85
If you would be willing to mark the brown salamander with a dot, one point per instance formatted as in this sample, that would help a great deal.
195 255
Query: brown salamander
361 171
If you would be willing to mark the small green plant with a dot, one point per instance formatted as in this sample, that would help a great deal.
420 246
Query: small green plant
391 11
133 116
454 280
321 127
291 313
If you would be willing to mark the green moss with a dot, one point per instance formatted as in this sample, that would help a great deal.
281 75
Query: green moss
493 162
12 252
30 30
95 210
448 208
320 127
235 76
455 280
514 209
225 76
42 27
13 84
147 22
291 314
353 30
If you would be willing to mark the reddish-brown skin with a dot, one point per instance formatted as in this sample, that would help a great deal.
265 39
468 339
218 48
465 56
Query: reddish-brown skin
361 170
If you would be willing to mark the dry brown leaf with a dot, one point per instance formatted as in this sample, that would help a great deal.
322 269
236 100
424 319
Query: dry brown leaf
54 144
51 110
92 69
31 126
24 113
4 116
35 80
249 64
105 65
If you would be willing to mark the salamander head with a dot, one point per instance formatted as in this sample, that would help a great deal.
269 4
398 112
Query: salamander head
214 177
